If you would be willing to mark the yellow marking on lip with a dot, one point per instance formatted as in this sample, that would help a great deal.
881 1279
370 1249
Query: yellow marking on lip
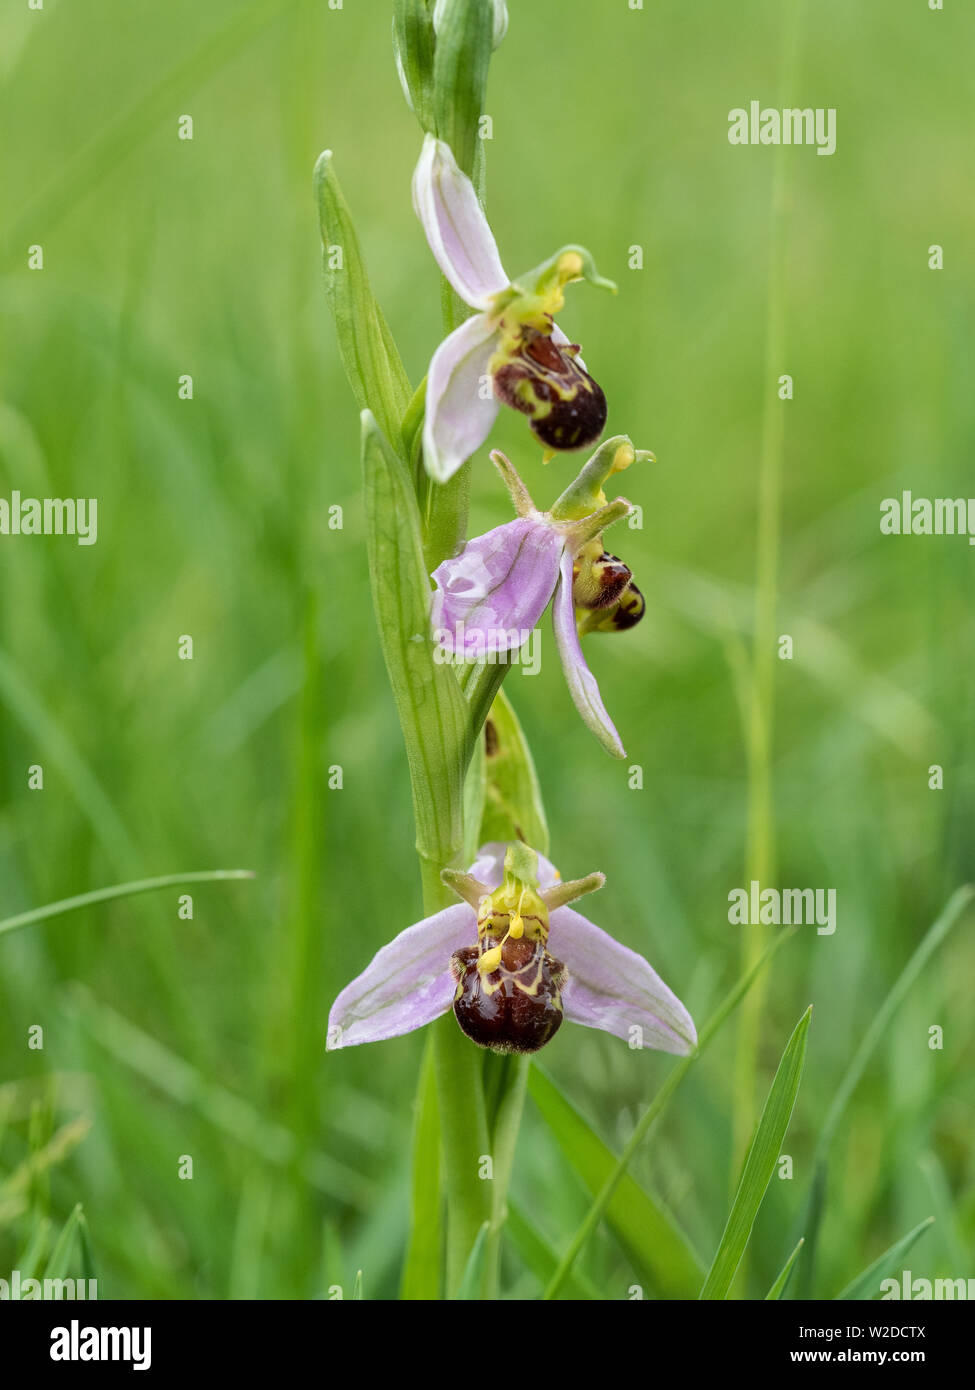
489 961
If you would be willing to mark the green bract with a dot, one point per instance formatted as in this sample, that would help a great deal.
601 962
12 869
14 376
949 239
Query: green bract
432 711
371 359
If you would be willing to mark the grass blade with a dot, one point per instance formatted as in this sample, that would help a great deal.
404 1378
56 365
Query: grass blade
957 906
541 1258
647 1231
421 1272
778 1288
473 1277
119 890
75 1230
867 1284
759 1164
432 711
592 1218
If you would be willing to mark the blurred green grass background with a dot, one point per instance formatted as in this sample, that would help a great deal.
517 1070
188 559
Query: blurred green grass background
164 257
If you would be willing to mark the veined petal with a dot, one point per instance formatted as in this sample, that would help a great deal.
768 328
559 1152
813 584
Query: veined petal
614 988
457 419
455 225
581 681
406 984
491 595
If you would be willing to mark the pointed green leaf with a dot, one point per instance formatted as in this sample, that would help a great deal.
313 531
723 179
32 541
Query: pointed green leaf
513 799
645 1229
778 1288
759 1164
867 1284
432 710
372 361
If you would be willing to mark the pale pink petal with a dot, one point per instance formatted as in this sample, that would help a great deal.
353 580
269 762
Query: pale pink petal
406 984
491 595
459 415
614 988
455 225
580 680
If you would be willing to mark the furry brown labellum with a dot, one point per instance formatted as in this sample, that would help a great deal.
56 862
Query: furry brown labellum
625 613
566 407
599 582
518 1006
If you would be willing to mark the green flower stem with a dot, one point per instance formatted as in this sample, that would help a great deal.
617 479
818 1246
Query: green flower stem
447 81
463 1120
460 1091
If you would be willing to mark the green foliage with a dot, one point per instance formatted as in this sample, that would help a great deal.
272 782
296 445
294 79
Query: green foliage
206 1036
759 1164
781 1282
867 1284
372 362
460 70
660 1251
432 711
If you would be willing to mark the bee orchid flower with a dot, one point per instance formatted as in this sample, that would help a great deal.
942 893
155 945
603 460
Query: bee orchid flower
512 341
490 596
488 958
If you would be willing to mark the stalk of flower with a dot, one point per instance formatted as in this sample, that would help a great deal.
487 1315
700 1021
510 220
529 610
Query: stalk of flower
490 596
511 958
488 958
512 341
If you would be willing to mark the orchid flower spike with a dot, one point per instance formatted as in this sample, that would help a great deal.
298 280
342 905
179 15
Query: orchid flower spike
513 340
488 957
490 596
